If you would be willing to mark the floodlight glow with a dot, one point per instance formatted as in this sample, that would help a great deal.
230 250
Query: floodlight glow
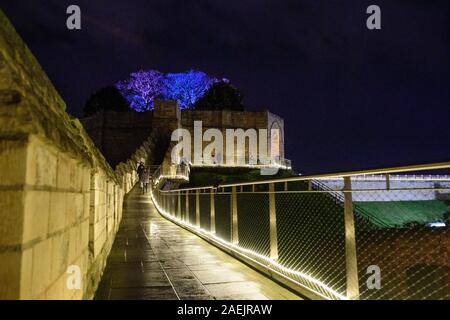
437 224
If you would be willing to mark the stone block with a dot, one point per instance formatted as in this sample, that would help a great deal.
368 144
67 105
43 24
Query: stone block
60 251
86 179
58 213
109 224
77 294
26 270
84 240
11 215
41 164
42 253
97 213
78 205
10 275
92 214
91 233
74 238
13 162
96 198
100 227
99 242
56 290
83 262
101 212
86 204
75 174
63 176
74 293
98 182
36 215
71 208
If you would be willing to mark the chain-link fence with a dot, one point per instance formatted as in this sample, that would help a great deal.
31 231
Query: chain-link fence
335 237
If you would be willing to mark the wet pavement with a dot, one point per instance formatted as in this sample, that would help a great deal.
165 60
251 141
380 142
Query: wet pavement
153 258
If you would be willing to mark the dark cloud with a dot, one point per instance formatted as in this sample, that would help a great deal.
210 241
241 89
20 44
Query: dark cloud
352 98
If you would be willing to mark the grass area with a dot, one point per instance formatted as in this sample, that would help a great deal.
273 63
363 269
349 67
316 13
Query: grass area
402 213
213 176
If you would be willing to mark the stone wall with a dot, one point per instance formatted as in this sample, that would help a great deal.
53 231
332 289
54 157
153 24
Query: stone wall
110 129
125 129
226 119
60 201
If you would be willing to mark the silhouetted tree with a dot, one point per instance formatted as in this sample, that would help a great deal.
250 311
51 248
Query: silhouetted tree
107 98
221 96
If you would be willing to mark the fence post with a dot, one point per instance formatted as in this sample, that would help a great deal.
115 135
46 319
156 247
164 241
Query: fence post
234 217
350 243
186 213
166 202
286 186
388 182
273 223
213 212
197 208
179 205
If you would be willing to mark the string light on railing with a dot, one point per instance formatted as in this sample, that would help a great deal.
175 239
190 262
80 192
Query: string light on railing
250 253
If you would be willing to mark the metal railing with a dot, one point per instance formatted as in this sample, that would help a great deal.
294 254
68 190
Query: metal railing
171 172
402 177
244 162
330 241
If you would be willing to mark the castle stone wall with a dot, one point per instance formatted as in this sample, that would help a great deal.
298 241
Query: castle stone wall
111 129
60 201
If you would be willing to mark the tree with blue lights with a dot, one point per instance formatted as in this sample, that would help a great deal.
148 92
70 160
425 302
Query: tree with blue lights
143 87
187 87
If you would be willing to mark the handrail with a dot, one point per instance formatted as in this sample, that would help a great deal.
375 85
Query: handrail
432 166
338 195
328 239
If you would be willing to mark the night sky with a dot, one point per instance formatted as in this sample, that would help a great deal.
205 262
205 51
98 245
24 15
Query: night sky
351 98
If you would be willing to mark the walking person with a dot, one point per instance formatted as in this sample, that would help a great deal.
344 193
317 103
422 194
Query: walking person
140 168
145 180
140 172
182 166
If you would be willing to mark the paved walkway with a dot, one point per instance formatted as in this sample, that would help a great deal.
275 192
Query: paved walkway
152 258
